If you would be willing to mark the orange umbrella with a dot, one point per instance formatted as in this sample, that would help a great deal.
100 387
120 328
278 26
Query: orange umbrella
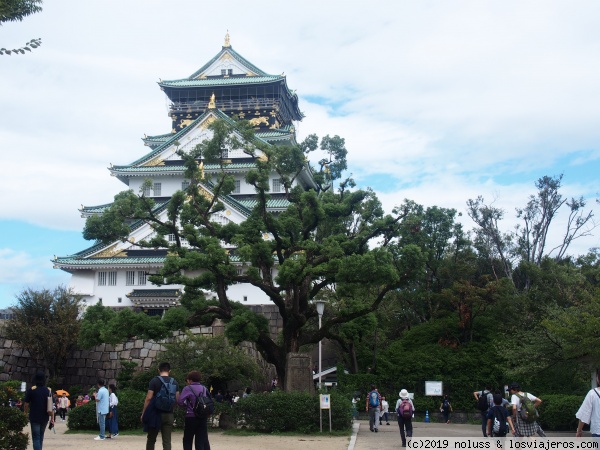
61 392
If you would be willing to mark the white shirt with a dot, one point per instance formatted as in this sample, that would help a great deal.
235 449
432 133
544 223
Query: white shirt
384 406
516 401
589 411
113 400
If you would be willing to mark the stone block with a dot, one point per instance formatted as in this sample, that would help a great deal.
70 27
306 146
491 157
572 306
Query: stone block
144 352
139 343
298 373
129 345
113 355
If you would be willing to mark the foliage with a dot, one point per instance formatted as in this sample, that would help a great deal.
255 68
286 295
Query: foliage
46 324
218 362
130 407
101 324
17 10
323 239
12 420
557 412
125 375
279 412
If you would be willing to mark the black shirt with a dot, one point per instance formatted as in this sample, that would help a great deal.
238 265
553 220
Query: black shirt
37 397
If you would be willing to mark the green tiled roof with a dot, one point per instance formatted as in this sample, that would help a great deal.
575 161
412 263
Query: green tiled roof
136 293
99 209
74 261
170 169
275 203
220 81
235 55
180 134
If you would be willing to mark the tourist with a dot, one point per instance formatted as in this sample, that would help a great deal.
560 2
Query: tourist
589 411
485 400
523 429
63 405
113 413
101 409
194 427
384 414
405 409
373 406
446 409
153 419
36 404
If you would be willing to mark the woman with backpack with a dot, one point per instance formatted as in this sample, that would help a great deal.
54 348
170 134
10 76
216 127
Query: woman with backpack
405 409
194 427
446 409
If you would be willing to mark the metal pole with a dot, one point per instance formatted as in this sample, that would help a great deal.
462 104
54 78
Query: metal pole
320 352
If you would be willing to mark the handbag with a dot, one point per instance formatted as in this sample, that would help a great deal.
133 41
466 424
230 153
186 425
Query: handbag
109 415
49 403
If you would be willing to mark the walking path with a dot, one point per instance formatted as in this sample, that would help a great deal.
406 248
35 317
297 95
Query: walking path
362 439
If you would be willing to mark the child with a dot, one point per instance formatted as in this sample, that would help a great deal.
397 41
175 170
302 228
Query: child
497 418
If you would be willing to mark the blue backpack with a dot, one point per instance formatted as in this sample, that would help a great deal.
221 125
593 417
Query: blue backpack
373 399
165 398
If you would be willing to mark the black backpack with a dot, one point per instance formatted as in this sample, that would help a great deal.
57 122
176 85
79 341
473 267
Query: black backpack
165 397
499 423
204 405
482 401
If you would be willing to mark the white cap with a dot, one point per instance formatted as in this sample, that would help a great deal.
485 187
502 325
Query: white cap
403 393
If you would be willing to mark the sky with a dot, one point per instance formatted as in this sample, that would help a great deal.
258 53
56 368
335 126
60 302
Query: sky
438 102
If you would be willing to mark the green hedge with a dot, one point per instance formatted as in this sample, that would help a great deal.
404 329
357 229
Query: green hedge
557 412
130 408
293 412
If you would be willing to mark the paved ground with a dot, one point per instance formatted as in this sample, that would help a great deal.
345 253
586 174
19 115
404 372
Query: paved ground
362 438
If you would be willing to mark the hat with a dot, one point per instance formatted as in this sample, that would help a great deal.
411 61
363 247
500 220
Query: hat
514 385
403 393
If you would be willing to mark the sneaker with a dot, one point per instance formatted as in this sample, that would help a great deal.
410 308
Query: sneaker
376 430
98 438
115 435
372 430
387 423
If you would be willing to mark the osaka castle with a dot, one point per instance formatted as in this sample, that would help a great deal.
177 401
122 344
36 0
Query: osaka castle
226 87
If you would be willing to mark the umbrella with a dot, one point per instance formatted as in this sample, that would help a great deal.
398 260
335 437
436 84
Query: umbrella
61 392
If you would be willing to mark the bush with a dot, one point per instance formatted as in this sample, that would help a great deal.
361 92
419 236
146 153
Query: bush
130 408
296 412
12 420
557 412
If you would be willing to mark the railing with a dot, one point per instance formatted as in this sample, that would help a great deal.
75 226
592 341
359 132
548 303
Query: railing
227 105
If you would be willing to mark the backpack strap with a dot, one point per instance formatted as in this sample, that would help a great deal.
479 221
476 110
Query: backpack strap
596 391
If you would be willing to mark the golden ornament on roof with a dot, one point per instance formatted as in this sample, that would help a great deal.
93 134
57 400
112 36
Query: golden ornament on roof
227 43
211 103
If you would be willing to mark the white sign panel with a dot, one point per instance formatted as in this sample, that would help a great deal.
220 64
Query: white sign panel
434 388
325 404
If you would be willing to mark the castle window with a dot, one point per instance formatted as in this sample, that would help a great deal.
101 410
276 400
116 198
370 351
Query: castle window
146 191
130 278
101 278
236 189
112 278
185 184
171 237
141 278
276 185
157 189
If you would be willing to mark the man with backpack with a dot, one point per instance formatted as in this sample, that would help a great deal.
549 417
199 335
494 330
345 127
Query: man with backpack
525 411
157 415
373 407
485 400
405 410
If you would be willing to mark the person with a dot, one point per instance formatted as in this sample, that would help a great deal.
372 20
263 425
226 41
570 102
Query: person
36 405
274 383
373 406
589 411
354 407
194 427
63 404
79 401
404 422
501 413
247 392
219 397
153 419
101 409
487 392
446 409
523 429
384 411
113 412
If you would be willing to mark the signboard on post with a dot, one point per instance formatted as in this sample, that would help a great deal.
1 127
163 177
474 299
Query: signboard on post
325 403
434 388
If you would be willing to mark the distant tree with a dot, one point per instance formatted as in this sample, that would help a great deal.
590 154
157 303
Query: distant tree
17 10
529 241
46 324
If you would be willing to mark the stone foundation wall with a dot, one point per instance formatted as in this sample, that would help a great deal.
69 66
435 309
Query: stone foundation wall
84 367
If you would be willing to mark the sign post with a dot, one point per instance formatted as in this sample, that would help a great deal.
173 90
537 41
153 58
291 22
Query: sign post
325 403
